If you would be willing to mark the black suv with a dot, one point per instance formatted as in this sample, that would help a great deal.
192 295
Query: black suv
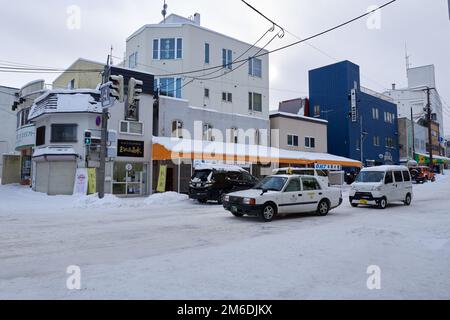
213 183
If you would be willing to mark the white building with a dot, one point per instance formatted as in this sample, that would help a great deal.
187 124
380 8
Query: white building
180 45
415 97
7 122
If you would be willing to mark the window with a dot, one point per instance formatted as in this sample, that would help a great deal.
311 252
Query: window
358 144
155 49
179 48
294 186
255 102
389 117
132 61
40 136
227 97
71 84
398 176
64 133
206 93
375 113
406 176
317 112
255 67
310 184
390 143
376 141
169 87
132 128
177 129
389 178
292 140
227 59
206 53
234 135
208 132
168 49
310 142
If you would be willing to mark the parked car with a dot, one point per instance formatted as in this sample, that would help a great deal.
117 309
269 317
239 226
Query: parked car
212 183
321 175
382 185
281 195
422 174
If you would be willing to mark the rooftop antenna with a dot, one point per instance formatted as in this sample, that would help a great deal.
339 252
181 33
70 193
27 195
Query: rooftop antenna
164 10
111 56
407 58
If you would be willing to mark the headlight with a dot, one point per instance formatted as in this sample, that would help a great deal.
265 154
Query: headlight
249 201
226 198
376 188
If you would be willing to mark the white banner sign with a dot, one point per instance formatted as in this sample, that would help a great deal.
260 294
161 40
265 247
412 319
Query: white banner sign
81 182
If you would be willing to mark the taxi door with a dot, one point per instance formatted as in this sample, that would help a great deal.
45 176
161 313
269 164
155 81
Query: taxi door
312 193
291 197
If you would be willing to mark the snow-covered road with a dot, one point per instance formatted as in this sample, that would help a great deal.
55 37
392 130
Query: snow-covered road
167 247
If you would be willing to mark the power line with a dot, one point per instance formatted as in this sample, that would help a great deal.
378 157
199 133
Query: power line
291 44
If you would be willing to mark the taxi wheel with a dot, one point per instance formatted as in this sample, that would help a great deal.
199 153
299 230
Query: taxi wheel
268 213
323 208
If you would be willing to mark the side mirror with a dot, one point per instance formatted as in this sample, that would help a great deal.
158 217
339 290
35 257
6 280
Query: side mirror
264 191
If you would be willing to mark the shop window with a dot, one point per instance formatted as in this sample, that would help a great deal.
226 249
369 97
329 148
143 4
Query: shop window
40 136
64 133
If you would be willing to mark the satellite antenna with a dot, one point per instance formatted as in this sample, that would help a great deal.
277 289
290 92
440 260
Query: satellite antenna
164 10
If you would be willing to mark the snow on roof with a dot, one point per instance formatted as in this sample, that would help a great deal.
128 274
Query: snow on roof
187 146
66 101
385 168
54 151
298 116
219 167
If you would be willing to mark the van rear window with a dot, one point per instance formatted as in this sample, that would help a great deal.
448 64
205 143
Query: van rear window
202 175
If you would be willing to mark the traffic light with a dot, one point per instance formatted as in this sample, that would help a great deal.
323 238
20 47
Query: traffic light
87 138
134 91
117 88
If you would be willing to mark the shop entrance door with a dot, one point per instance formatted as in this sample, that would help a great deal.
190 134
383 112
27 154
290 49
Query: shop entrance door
129 179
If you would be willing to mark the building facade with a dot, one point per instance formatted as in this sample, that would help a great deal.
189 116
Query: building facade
298 133
7 122
411 141
180 45
363 125
82 74
413 99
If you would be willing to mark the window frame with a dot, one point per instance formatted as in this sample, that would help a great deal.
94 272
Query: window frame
39 135
310 142
207 57
56 125
251 101
128 128
294 137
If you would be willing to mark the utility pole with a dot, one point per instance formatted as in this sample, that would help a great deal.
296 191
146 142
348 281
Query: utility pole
429 118
413 135
104 137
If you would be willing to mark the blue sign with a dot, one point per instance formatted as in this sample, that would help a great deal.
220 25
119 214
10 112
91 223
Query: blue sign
105 96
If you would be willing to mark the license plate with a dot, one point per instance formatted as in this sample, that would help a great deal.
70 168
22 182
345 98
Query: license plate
363 202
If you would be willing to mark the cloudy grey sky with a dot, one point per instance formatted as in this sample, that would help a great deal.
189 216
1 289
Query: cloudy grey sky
35 32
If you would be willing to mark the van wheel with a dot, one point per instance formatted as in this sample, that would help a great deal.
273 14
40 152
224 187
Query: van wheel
408 200
354 205
268 213
382 204
323 208
221 198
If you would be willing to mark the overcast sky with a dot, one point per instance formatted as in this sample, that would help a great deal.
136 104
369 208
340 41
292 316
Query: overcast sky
36 33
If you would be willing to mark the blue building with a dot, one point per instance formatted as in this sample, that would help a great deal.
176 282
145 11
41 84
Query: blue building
354 114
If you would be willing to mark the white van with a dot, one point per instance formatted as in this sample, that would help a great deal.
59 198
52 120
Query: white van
382 185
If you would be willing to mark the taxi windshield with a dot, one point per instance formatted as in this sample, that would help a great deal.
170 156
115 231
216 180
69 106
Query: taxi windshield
370 177
271 184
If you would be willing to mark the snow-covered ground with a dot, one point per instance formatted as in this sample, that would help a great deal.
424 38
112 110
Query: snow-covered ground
167 247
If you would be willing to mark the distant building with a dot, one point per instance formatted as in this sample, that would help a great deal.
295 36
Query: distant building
82 74
372 118
7 122
298 106
414 97
408 150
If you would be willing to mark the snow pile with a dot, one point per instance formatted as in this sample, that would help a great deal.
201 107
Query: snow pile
111 201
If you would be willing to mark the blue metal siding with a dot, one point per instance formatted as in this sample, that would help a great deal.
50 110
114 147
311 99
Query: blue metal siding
330 88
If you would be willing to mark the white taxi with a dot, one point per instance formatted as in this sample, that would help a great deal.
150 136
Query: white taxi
281 195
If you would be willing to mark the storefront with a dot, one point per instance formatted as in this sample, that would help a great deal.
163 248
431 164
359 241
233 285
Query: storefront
441 162
130 171
174 159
